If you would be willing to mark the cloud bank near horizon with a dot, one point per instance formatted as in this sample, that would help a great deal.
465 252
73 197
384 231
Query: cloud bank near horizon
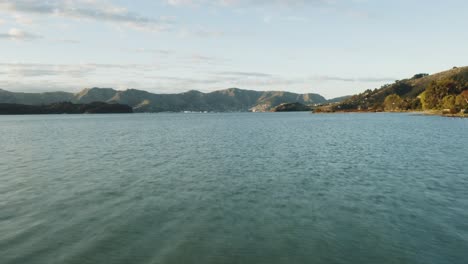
331 47
52 77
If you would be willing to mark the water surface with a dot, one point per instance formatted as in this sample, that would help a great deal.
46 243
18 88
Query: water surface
233 188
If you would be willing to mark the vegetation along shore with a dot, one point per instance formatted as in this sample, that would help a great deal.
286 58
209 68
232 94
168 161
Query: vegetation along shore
64 108
444 93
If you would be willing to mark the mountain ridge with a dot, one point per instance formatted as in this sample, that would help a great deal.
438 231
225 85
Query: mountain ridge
226 100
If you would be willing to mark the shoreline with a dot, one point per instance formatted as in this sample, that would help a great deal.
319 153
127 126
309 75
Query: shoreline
428 113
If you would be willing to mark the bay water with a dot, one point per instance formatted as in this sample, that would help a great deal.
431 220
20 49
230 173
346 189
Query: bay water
234 188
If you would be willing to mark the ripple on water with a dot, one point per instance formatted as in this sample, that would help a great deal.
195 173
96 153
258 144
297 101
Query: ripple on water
233 188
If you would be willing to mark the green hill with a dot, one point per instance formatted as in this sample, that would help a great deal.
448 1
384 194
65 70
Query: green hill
446 90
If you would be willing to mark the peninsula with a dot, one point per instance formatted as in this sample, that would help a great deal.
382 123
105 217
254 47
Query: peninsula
441 93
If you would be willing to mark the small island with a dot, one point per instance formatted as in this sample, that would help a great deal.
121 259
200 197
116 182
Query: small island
291 107
64 108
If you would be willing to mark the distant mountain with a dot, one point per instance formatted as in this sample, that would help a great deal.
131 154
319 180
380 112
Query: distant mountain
228 100
446 90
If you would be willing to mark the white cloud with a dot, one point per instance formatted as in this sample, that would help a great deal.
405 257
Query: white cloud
96 10
18 34
32 70
355 79
245 74
156 78
199 59
23 20
180 2
152 51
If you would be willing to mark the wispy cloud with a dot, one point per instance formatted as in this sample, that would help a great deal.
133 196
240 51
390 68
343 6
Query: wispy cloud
25 70
198 58
72 77
23 19
18 34
230 3
177 59
79 70
244 74
257 80
86 9
153 51
201 33
32 70
357 79
69 41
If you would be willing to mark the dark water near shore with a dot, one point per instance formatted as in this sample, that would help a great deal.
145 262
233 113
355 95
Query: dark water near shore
234 188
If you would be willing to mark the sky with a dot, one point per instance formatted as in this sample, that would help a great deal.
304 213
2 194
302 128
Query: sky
330 47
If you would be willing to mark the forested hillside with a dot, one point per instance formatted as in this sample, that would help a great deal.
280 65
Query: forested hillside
446 91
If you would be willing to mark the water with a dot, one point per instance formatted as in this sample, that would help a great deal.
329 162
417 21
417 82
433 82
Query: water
233 188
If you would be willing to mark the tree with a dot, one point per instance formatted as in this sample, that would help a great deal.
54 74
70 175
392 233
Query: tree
464 94
420 75
436 91
461 101
415 104
401 88
422 98
392 102
448 102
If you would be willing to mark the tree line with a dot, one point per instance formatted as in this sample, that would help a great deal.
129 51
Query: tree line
445 94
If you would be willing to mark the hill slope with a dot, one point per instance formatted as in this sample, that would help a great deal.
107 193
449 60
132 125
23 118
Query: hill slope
221 101
422 91
292 107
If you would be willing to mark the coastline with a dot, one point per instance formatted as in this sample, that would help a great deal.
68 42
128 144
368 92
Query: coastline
422 112
441 113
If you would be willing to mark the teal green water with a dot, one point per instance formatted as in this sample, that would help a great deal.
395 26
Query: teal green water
234 188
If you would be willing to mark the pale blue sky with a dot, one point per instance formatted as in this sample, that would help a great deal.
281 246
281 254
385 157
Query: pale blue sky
331 47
